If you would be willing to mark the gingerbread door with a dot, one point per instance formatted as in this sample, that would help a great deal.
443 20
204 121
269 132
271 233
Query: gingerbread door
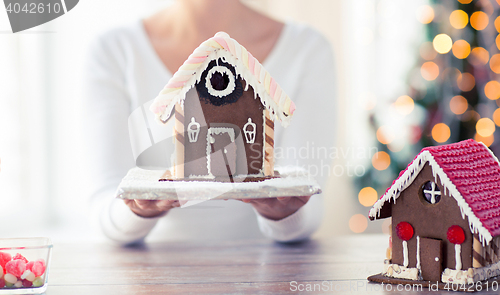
431 259
221 151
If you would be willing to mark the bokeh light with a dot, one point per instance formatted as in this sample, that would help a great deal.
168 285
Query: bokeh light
429 71
497 41
485 127
427 51
496 117
381 160
396 146
459 19
442 43
466 82
497 24
367 196
465 1
441 132
486 140
425 14
479 20
495 63
358 223
461 49
385 135
458 104
404 105
479 56
492 90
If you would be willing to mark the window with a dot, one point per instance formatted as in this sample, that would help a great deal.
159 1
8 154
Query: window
431 192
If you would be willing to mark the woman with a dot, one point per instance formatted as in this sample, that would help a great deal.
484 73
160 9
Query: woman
127 68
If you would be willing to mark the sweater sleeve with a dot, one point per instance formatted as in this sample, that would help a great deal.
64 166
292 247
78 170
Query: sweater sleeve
108 150
308 140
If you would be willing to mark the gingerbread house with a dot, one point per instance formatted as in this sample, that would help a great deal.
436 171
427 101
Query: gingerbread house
445 209
224 104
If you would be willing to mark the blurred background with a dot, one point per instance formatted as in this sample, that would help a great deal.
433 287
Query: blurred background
410 74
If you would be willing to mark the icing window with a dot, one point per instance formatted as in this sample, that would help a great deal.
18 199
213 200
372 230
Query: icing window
431 192
220 81
219 84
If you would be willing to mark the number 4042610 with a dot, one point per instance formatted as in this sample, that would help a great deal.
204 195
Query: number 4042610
34 8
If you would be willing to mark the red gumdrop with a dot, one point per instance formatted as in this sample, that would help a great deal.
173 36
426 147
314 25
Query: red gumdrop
2 283
16 267
21 257
38 267
4 258
404 230
455 234
27 283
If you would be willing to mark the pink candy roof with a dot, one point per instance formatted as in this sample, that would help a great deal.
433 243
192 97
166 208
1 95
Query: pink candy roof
248 67
471 174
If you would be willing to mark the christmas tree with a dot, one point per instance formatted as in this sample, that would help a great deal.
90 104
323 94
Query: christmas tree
454 88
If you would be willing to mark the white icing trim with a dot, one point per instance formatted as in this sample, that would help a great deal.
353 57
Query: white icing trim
210 140
179 95
193 133
405 253
250 135
409 176
401 272
471 275
230 87
458 276
219 130
418 252
458 258
491 152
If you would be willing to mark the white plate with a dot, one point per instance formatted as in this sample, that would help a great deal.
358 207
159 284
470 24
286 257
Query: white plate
143 184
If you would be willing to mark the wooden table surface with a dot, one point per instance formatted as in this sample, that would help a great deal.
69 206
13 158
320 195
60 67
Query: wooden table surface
338 265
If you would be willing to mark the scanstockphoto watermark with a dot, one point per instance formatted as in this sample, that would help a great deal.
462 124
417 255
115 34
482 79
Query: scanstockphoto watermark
325 168
26 14
311 151
353 286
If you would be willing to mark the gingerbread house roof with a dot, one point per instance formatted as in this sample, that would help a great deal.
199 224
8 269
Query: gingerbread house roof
229 50
470 173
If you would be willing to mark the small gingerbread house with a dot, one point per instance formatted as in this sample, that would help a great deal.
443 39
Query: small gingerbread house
224 104
445 209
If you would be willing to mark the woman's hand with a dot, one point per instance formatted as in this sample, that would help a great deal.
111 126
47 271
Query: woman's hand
151 208
277 208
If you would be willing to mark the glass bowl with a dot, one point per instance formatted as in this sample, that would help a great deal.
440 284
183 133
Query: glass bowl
24 264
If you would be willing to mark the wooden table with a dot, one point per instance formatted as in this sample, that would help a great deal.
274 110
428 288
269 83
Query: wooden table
337 265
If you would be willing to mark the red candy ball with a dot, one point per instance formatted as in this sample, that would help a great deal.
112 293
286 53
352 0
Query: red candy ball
4 258
36 267
404 230
19 256
16 267
455 234
27 283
